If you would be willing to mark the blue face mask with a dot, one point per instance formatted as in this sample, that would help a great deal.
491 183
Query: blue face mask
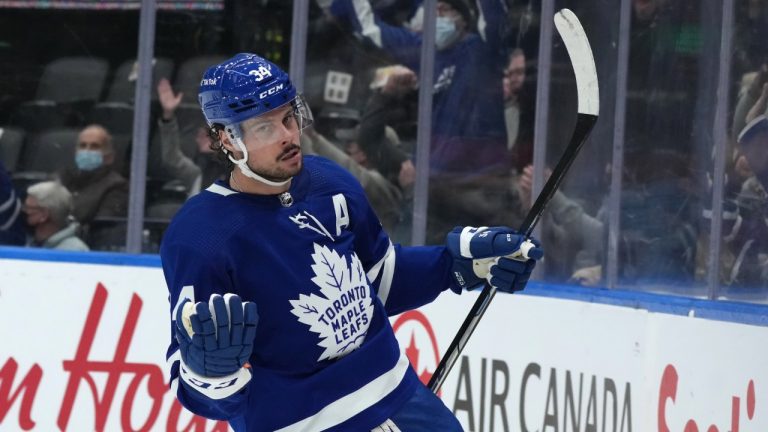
445 32
88 160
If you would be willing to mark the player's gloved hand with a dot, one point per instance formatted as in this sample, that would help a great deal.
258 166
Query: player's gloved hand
497 254
216 338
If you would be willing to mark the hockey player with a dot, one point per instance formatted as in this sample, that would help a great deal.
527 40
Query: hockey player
282 280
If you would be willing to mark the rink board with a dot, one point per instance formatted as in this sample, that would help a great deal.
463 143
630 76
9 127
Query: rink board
84 337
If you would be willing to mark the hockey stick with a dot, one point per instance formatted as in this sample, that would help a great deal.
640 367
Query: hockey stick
577 45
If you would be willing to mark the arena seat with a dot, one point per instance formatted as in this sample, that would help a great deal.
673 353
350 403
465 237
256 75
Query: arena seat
49 151
11 142
68 88
115 112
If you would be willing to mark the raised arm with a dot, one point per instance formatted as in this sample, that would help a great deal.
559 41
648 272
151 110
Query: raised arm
399 42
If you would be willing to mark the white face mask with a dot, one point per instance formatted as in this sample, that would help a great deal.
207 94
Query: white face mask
89 160
445 32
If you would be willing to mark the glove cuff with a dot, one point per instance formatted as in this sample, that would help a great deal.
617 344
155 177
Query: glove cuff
215 387
464 277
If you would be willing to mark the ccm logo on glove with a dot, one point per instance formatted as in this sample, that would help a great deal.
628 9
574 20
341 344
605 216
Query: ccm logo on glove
215 342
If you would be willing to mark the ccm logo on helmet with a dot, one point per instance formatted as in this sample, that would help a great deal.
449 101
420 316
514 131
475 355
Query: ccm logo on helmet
271 91
208 81
260 73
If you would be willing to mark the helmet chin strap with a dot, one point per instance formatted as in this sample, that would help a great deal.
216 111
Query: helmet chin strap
246 170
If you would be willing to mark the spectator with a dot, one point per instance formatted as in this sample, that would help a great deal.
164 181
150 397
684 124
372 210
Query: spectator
467 116
393 162
518 110
378 146
340 135
194 174
745 240
48 207
658 217
377 141
11 225
98 190
469 161
747 243
514 76
385 198
579 236
752 99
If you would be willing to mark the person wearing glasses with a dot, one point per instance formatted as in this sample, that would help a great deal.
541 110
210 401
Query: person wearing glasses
48 209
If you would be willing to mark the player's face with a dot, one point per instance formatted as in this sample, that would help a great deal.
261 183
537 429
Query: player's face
272 141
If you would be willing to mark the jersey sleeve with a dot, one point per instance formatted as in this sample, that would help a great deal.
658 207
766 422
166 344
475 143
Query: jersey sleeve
11 219
193 275
421 274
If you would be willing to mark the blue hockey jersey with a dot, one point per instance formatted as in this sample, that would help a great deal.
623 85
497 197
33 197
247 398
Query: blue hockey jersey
11 217
325 277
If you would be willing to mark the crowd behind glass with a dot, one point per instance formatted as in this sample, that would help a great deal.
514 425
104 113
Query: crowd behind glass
67 117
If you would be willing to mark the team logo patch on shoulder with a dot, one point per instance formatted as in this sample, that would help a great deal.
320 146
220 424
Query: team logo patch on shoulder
308 221
342 312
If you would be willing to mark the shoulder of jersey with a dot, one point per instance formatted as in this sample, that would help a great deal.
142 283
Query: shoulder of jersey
327 174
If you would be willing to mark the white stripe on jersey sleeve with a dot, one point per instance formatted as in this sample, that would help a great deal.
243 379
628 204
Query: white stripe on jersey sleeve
9 202
15 215
385 266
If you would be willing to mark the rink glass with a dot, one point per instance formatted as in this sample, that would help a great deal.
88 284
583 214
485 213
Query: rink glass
652 199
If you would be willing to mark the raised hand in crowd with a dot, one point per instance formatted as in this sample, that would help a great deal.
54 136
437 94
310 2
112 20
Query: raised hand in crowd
407 175
168 100
399 81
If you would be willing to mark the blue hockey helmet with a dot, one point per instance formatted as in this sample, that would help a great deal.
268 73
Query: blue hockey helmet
245 86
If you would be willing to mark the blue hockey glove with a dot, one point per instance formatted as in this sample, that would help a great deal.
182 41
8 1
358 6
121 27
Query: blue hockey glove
216 339
497 254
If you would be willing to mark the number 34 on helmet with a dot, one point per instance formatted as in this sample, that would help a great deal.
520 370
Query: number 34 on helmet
246 86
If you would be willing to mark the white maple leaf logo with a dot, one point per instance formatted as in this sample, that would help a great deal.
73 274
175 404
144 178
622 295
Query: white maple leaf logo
342 312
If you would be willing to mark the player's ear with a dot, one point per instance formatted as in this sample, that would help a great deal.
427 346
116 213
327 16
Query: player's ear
226 142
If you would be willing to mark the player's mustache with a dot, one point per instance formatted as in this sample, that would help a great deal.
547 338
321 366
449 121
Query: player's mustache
287 150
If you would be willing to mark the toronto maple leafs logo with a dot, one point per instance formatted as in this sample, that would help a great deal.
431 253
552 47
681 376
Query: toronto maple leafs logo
342 312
